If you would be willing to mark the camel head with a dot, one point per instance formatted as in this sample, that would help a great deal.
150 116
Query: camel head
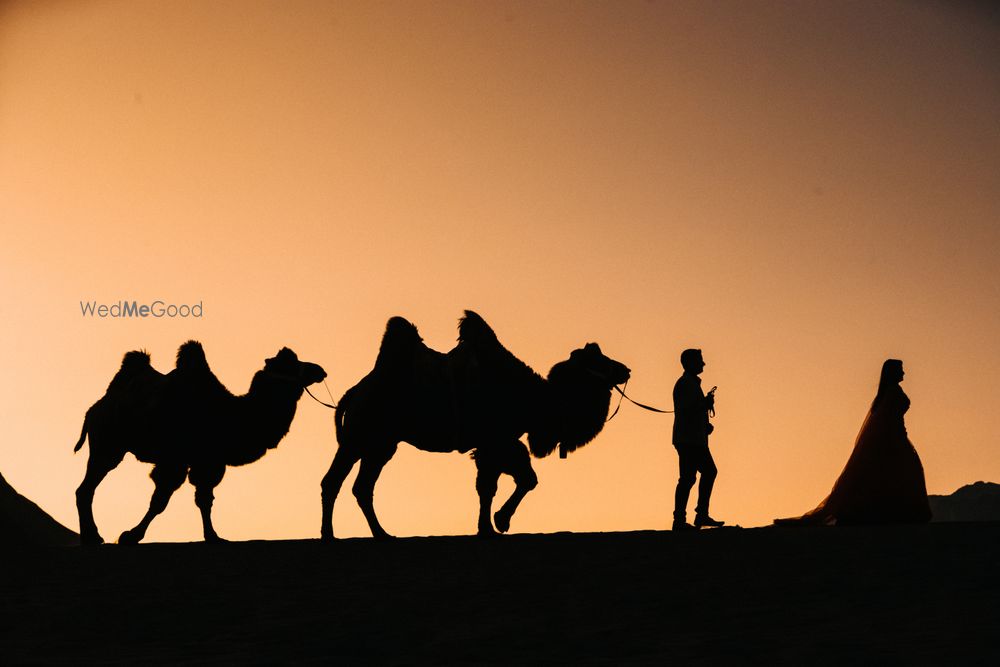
579 391
286 365
590 359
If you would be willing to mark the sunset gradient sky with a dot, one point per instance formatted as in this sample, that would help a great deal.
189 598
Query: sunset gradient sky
802 189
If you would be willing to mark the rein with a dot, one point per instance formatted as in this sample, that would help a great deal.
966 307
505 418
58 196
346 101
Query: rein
625 396
619 406
297 380
329 405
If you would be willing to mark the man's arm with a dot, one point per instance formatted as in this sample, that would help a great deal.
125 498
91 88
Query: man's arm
690 411
688 399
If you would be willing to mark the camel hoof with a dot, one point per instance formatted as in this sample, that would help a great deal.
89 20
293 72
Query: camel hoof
502 522
129 537
383 537
215 539
327 538
487 533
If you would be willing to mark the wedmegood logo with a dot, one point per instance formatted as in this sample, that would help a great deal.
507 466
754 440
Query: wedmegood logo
157 309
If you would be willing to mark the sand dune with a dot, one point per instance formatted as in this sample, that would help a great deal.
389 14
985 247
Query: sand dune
24 522
909 594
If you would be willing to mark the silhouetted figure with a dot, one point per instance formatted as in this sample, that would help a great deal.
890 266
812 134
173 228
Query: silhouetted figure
883 481
187 424
476 397
690 437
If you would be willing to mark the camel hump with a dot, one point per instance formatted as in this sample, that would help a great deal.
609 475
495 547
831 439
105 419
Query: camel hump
400 341
135 360
135 366
473 329
191 356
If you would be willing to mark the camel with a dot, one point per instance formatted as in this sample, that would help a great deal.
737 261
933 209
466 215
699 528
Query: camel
478 397
188 425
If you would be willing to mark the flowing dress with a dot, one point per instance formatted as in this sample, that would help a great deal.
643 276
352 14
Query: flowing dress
883 481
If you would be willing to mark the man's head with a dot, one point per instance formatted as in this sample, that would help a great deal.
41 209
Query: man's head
692 361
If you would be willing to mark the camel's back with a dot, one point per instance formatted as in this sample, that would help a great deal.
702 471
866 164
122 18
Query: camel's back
498 389
192 385
442 402
411 395
135 371
127 403
156 415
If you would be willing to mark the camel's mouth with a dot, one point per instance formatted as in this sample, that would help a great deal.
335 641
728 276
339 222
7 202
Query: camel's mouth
287 365
312 373
615 373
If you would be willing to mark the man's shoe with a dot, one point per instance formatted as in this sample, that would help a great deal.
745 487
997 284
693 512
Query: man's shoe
682 526
705 521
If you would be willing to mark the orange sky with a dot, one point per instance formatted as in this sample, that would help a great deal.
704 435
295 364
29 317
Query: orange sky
801 189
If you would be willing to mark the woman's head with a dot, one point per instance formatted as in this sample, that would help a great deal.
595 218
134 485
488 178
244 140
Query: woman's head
892 375
892 372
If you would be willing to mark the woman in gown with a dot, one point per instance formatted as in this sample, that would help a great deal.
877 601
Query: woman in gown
883 481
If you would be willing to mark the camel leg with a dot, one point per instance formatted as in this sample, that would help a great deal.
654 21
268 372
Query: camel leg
519 467
168 478
332 481
98 468
364 486
205 478
487 476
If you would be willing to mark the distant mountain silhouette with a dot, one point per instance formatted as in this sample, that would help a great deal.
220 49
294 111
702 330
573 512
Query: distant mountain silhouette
973 502
24 522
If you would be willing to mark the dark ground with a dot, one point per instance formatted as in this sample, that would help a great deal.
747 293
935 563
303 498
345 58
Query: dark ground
797 596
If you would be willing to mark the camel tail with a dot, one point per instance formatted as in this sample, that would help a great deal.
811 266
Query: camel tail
338 421
341 414
83 434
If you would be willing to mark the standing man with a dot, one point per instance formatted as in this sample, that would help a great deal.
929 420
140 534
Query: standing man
690 437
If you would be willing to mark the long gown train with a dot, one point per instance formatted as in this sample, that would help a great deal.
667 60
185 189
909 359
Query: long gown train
883 481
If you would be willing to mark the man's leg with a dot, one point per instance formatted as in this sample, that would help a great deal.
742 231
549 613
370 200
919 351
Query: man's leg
706 466
688 469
